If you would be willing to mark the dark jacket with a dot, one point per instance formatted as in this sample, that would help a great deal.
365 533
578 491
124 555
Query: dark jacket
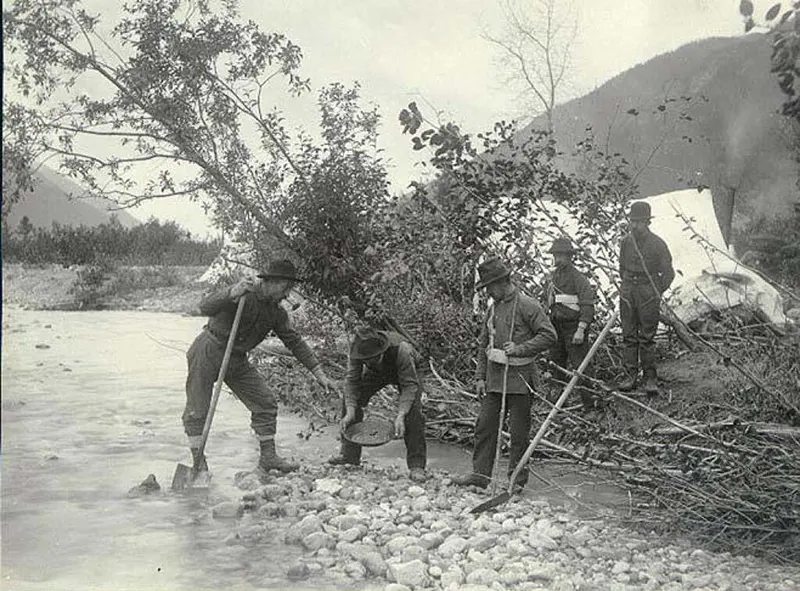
259 318
533 332
657 259
396 366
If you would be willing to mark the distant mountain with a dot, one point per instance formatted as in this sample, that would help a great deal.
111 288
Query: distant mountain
732 137
55 198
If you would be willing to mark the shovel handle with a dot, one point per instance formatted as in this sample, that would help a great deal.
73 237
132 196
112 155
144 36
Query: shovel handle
557 406
223 369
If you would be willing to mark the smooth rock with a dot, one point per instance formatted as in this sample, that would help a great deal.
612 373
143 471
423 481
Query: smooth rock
413 574
482 576
298 571
452 546
483 542
226 510
317 540
328 485
415 491
540 541
353 534
414 553
452 576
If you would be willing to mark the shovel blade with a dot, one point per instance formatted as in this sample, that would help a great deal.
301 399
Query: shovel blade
186 478
182 478
491 503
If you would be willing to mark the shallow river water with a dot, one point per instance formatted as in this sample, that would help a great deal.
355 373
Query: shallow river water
91 405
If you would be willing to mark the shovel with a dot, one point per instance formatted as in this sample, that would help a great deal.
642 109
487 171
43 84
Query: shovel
504 496
185 475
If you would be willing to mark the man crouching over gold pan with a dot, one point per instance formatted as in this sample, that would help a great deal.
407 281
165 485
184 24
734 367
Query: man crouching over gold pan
379 358
514 331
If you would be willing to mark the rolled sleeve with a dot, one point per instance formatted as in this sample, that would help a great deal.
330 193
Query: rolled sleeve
354 371
407 378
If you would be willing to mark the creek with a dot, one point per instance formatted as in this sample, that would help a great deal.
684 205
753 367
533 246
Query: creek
91 405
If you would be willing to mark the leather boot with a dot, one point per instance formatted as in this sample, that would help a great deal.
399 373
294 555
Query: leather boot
202 465
471 479
341 459
270 460
349 455
628 383
650 382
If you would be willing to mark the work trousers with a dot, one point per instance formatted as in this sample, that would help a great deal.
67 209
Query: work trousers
568 355
204 359
518 411
414 438
639 313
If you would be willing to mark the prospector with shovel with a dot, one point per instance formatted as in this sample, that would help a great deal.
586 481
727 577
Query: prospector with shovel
186 476
259 300
504 496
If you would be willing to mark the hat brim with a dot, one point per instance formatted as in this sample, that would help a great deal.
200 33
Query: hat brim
361 356
279 276
488 282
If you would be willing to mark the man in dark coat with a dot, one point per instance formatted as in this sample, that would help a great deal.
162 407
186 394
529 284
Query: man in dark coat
261 315
570 302
377 359
514 331
645 267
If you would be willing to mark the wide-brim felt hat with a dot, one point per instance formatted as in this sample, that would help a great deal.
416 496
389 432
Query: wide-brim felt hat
490 271
368 344
281 269
562 245
640 210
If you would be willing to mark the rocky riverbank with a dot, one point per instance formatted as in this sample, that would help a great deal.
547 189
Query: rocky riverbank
371 528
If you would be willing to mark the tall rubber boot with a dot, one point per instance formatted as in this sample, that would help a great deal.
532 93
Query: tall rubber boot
651 382
270 460
628 383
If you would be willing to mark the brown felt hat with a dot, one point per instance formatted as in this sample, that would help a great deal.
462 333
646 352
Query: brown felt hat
640 210
368 343
280 269
562 245
490 271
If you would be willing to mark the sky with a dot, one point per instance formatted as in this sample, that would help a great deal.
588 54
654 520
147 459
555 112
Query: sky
432 52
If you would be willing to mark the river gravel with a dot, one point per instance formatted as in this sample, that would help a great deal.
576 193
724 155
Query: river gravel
372 528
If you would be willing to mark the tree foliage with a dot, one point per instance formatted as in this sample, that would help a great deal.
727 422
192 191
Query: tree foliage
785 60
189 89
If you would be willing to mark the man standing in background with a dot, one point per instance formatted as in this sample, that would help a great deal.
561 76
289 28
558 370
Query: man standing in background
570 302
645 268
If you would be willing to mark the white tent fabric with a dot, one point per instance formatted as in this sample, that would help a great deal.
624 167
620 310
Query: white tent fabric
708 276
